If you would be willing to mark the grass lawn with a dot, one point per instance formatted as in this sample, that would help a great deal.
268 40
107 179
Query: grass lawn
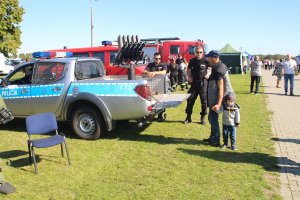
167 160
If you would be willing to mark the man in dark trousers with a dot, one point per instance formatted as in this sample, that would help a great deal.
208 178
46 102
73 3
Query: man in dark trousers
218 87
153 69
197 70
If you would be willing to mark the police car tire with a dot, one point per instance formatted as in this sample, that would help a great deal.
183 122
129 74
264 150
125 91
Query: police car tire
93 121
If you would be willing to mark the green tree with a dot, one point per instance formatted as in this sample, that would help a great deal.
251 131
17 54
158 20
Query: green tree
10 34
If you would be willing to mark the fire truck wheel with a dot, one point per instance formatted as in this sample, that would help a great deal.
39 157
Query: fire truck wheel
86 123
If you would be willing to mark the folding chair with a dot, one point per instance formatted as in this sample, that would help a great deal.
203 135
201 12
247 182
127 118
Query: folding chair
41 124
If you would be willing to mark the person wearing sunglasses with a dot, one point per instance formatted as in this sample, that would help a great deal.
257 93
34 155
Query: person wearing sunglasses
155 67
197 70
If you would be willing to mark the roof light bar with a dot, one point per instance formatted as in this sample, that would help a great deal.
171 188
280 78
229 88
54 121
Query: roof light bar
45 54
106 43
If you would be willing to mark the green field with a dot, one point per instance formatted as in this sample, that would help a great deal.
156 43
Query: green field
167 160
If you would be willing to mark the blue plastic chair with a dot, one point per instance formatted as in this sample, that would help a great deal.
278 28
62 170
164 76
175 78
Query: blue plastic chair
41 124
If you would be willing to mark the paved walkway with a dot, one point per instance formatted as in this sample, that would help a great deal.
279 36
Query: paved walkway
286 127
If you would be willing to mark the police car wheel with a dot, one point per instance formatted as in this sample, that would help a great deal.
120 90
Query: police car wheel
86 123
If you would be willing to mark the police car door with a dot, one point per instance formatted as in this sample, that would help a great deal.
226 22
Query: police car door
16 90
47 90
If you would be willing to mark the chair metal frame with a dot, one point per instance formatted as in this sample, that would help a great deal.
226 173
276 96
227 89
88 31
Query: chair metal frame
43 124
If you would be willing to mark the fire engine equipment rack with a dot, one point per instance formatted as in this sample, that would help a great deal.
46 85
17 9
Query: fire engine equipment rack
130 53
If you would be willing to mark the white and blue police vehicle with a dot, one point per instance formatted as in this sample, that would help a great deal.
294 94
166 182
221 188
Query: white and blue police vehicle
77 90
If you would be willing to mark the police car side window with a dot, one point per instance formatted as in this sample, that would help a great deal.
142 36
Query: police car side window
16 77
88 69
22 76
48 73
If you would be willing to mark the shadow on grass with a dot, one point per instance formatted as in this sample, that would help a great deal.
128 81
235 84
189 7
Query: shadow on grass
248 93
21 162
123 131
12 154
131 132
266 161
19 125
269 163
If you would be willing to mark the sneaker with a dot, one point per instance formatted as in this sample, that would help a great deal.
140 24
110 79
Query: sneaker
256 93
233 148
187 120
202 120
292 94
223 146
252 92
285 93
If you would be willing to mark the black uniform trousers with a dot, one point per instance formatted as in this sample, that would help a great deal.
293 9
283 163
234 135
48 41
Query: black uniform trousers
198 87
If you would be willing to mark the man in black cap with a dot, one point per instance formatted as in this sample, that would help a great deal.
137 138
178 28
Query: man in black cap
197 70
218 86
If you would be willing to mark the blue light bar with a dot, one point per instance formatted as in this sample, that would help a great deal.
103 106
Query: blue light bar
45 54
106 42
41 54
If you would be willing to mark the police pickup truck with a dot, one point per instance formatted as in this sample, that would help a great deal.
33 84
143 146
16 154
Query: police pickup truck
77 90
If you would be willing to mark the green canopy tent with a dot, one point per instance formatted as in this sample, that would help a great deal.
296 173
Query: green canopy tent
232 58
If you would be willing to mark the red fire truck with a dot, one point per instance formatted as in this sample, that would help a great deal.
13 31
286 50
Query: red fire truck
168 47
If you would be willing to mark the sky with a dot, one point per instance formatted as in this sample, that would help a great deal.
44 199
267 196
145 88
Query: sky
256 26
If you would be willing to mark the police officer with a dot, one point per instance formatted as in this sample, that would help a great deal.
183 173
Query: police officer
197 70
155 68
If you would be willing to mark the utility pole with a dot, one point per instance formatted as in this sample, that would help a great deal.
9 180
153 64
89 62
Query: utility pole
92 25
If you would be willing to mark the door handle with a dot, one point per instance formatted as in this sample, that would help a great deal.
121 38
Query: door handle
55 89
23 91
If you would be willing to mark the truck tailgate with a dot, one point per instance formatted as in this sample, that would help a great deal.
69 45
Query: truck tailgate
169 100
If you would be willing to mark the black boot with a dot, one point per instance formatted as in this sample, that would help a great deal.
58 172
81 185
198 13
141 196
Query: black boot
160 117
202 120
188 119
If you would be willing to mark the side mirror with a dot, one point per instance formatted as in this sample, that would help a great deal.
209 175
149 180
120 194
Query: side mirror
1 82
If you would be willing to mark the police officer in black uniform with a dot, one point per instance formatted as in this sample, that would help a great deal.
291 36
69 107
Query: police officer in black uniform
197 70
155 68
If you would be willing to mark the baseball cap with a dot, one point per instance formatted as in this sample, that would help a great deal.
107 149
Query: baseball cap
213 53
230 96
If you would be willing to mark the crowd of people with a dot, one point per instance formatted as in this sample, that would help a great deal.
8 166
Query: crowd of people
285 67
208 78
